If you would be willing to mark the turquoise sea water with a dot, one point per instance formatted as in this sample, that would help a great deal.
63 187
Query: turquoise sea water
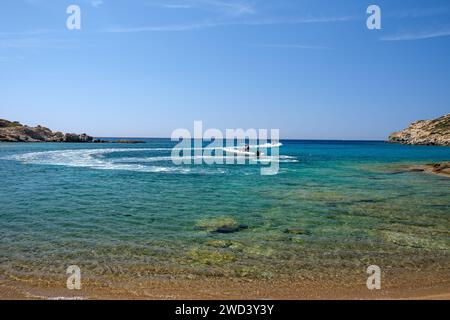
126 211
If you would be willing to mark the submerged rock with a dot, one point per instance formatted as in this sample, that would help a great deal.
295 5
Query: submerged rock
231 229
220 225
423 241
219 243
441 168
416 170
296 230
209 257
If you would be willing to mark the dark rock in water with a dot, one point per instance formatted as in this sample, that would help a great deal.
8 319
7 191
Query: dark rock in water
413 169
220 225
396 172
128 141
416 170
441 168
231 229
16 132
118 141
227 229
73 137
295 230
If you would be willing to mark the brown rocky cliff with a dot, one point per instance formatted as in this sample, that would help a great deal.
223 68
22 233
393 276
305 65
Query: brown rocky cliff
425 132
16 132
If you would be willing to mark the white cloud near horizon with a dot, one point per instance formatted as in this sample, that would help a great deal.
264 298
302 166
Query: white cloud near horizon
93 3
419 35
227 13
223 23
233 8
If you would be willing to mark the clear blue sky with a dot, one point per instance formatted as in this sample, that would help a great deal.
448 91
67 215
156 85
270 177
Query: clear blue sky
146 67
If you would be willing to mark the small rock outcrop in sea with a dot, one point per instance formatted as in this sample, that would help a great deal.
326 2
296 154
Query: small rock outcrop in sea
125 141
16 132
425 132
442 168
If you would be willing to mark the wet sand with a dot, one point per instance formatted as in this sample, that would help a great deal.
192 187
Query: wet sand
400 286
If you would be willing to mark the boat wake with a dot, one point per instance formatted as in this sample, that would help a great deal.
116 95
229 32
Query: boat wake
133 159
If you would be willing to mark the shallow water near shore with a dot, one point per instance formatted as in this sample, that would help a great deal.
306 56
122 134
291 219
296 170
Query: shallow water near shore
126 213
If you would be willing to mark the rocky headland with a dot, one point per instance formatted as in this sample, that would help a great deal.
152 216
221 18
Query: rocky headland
13 131
425 132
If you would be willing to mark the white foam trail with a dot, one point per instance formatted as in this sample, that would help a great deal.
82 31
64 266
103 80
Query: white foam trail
239 152
86 158
268 145
94 158
162 159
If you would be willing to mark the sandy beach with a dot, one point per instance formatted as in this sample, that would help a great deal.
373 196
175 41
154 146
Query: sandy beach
400 286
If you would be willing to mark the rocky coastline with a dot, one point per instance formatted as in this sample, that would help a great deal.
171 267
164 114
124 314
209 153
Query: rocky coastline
425 132
13 131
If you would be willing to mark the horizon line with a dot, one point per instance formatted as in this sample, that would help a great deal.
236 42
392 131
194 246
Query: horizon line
286 139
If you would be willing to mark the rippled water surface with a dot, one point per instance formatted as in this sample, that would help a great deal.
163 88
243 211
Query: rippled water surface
128 211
